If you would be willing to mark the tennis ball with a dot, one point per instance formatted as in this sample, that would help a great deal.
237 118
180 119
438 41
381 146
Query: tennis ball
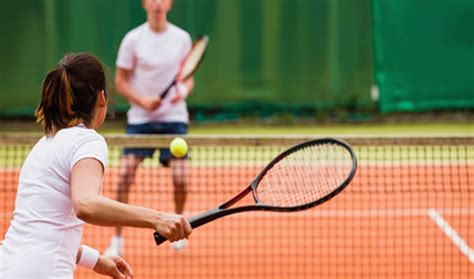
178 147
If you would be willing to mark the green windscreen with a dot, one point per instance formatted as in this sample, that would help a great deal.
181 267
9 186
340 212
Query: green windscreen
264 55
424 54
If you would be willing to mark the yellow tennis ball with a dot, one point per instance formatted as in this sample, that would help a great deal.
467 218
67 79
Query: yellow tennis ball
178 147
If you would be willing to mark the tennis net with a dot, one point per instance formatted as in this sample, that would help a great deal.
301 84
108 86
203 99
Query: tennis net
409 212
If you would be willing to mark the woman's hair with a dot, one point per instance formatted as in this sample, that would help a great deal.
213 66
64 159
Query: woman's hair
70 91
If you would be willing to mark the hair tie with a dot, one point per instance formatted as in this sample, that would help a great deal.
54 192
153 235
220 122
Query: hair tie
63 66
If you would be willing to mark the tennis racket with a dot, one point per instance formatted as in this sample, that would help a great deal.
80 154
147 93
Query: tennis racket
190 62
305 175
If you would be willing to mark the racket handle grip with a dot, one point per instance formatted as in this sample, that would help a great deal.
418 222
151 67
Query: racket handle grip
203 218
167 90
158 238
195 222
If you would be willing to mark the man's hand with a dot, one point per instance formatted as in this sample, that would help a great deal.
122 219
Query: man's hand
150 103
189 84
113 266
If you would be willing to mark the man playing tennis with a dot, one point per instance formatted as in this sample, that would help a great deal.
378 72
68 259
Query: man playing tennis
61 179
147 62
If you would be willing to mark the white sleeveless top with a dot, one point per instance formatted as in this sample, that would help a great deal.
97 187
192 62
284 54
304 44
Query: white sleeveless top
45 233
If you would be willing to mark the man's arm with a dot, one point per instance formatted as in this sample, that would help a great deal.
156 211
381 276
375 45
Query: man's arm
122 77
180 94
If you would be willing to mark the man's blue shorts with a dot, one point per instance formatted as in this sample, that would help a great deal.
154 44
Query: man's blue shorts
178 128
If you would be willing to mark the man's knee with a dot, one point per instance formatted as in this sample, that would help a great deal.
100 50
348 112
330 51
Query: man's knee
128 168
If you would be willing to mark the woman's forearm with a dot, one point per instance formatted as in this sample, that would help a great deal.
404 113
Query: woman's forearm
99 210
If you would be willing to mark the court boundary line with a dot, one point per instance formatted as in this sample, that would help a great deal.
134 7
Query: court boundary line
451 233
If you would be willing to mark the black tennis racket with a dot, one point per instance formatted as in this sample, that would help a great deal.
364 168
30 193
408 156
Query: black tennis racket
190 62
305 175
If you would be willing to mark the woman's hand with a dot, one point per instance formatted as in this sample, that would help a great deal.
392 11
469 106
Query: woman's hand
173 226
113 266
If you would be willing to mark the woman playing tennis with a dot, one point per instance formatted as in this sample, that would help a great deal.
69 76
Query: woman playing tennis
60 184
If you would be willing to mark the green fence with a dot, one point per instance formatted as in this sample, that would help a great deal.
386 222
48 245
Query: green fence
424 54
265 56
38 33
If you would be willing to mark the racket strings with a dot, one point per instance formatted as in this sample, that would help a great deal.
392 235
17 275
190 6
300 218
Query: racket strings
194 57
305 175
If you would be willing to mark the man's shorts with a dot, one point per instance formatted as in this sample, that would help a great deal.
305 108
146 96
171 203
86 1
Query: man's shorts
178 128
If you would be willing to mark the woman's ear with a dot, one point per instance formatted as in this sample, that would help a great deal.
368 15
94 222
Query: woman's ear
102 98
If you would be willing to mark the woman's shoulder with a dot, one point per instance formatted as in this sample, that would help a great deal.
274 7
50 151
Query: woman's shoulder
80 134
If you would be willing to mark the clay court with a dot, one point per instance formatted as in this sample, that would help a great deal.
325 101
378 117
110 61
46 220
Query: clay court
399 218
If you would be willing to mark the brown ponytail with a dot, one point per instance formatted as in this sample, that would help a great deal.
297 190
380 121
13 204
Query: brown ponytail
69 92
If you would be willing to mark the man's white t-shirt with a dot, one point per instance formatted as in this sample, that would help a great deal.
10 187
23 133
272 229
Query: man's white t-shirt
153 59
45 233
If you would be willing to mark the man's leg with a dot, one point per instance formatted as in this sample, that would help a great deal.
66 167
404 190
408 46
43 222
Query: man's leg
128 167
180 170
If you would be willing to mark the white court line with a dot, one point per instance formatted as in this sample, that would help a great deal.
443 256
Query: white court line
452 234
